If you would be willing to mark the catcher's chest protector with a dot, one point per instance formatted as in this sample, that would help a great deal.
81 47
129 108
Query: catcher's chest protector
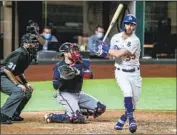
73 85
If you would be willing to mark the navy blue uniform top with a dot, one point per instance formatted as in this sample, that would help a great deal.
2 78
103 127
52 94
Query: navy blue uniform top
73 85
18 61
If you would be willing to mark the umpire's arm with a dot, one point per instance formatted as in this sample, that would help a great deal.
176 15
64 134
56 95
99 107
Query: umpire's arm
11 76
22 78
25 83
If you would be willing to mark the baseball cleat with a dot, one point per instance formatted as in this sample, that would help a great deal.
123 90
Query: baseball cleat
120 123
17 118
132 126
47 118
4 119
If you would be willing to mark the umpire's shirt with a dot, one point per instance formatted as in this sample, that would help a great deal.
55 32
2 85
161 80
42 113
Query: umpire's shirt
18 61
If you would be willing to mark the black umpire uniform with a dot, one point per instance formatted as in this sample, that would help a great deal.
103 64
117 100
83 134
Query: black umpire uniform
17 62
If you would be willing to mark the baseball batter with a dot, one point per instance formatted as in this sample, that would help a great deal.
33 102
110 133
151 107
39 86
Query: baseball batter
68 79
125 49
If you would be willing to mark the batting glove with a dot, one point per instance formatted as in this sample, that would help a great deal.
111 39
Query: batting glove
103 50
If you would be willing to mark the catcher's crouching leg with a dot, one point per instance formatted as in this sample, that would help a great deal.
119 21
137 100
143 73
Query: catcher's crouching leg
58 118
78 118
64 118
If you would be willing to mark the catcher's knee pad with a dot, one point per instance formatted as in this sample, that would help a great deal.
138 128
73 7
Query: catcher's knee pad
87 112
58 118
101 108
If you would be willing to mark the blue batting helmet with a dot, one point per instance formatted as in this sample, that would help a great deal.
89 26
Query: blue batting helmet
130 18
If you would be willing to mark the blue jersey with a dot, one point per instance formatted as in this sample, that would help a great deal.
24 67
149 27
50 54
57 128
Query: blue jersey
74 85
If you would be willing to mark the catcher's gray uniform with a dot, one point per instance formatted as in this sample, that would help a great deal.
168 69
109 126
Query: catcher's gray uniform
73 102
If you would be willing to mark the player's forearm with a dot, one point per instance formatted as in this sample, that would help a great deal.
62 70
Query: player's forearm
22 78
115 53
11 76
118 53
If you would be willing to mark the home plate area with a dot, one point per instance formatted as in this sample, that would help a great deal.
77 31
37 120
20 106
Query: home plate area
148 122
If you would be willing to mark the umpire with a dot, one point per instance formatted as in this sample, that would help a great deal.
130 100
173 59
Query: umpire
13 82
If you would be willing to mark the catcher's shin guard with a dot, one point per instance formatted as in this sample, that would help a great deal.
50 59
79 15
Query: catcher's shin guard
78 118
58 118
87 112
101 108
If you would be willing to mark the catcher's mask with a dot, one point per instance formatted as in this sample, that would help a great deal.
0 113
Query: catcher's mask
71 48
32 41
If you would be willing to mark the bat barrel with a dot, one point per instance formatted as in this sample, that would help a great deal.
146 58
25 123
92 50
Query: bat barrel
116 15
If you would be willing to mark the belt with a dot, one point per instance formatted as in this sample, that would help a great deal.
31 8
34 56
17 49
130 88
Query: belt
129 70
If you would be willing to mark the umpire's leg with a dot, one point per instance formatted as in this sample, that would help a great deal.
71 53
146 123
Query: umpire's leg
22 104
16 96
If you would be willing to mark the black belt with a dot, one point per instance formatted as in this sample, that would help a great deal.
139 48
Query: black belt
129 70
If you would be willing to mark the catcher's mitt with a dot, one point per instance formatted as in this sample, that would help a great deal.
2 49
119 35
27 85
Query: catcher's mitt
67 72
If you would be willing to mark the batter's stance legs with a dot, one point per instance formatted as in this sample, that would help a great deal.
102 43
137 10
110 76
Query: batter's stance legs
128 115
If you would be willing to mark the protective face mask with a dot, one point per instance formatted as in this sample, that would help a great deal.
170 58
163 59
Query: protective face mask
47 36
100 35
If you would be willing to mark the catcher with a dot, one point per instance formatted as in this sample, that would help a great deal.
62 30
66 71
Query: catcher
68 79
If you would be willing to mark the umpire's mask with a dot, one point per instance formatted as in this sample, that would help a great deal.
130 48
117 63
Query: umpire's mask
32 41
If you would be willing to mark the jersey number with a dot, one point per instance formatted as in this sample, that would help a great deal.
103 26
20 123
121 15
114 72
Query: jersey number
11 66
130 57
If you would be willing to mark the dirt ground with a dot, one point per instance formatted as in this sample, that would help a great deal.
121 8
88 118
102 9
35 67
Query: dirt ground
149 122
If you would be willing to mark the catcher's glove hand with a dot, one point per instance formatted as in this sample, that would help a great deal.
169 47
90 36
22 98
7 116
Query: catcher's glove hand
67 72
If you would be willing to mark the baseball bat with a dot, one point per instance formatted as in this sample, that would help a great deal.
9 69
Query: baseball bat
116 15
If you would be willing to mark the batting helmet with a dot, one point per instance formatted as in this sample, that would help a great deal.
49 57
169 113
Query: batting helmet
130 18
71 48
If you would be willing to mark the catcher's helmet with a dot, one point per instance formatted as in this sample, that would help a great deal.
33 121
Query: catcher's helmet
130 18
71 48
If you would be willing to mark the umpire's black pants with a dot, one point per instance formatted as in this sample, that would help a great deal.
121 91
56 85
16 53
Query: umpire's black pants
17 98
